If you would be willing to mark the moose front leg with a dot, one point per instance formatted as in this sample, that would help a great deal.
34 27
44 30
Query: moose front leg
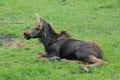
54 59
42 55
53 56
48 56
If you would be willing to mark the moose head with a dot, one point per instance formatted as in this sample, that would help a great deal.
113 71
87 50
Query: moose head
38 30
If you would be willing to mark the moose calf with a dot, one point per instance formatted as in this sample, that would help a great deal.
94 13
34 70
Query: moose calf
63 46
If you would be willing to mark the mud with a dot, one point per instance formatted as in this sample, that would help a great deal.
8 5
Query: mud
10 41
7 38
21 44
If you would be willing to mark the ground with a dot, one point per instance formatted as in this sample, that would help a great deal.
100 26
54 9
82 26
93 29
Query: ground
95 20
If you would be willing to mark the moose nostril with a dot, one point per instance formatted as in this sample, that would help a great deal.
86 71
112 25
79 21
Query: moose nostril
24 33
27 35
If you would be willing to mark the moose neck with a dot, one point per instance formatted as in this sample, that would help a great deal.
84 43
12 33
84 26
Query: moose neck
50 35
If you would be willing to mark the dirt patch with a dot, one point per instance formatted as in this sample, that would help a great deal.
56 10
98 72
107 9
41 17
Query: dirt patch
21 44
10 41
7 38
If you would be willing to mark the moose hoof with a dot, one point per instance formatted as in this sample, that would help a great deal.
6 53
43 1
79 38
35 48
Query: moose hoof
85 68
54 59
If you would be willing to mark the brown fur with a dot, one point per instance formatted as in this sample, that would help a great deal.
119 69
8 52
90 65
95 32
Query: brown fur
97 48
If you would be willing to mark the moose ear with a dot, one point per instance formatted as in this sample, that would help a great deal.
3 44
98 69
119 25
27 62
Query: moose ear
38 17
40 20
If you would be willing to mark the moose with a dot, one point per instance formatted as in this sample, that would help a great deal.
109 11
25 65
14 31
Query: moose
61 46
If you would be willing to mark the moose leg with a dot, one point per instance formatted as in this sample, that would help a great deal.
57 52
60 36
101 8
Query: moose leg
51 56
46 56
54 59
76 61
87 56
95 61
41 55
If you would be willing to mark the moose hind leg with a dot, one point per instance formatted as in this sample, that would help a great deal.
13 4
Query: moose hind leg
95 61
88 57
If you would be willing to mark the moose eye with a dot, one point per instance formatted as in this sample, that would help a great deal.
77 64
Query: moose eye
37 28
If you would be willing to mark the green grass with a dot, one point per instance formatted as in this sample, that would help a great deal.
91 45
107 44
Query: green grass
95 20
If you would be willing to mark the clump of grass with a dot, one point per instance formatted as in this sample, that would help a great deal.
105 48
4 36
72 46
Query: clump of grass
1 43
107 5
1 3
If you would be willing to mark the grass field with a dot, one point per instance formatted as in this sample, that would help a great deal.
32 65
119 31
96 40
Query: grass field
95 20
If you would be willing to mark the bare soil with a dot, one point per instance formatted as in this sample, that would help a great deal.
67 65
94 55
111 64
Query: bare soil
11 42
7 38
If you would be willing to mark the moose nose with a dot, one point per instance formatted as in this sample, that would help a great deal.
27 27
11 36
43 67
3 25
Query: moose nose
26 34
